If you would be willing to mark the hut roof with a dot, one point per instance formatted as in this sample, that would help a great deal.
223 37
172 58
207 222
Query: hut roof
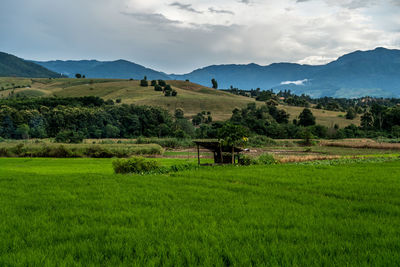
215 145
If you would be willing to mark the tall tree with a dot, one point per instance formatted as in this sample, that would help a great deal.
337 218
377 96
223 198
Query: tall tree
214 83
306 118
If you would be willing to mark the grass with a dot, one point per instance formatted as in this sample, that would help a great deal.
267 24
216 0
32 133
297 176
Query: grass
323 117
192 98
76 212
45 148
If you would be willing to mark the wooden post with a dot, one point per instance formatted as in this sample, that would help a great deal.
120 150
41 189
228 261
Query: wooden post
233 155
198 154
220 153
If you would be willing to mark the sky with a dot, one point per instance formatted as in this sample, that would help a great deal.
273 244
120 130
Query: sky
183 35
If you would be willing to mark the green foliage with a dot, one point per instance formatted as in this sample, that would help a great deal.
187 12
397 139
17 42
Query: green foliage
136 165
306 118
233 135
162 83
111 131
351 114
307 136
69 137
144 83
158 88
265 159
22 131
202 117
214 83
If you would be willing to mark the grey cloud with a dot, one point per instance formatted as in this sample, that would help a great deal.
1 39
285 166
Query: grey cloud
220 11
186 7
354 4
151 18
244 1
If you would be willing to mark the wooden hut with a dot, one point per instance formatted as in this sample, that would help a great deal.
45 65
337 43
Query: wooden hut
222 154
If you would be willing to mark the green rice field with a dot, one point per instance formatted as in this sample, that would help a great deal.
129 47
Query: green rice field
77 212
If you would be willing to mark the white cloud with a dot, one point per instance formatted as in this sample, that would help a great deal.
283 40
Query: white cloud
300 82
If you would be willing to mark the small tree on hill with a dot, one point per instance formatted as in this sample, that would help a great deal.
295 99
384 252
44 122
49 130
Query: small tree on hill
351 114
78 75
214 83
157 88
306 118
144 82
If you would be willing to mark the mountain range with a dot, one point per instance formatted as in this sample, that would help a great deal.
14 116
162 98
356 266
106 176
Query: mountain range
373 73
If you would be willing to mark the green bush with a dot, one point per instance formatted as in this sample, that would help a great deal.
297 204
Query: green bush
246 160
98 152
265 159
4 152
69 137
60 152
136 165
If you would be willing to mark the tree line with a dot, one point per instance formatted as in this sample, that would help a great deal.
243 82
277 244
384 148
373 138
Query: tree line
72 119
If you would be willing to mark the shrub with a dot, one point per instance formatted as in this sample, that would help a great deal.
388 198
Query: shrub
98 152
266 159
144 83
135 165
60 152
68 136
4 152
245 160
157 88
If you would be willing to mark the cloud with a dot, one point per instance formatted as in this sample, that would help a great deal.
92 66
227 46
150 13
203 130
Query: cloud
245 1
220 11
300 82
186 7
151 18
179 36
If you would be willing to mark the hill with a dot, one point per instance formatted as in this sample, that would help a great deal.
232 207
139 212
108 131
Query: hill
119 69
361 73
12 66
192 98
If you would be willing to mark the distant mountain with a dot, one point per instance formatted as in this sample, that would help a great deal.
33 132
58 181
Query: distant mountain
119 69
373 73
12 66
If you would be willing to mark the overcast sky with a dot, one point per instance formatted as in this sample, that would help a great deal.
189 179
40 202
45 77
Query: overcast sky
179 36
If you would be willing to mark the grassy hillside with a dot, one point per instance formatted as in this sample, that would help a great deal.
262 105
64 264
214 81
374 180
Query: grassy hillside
192 98
16 67
76 212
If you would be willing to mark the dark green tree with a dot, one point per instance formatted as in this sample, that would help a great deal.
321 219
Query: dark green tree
306 118
232 135
214 83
